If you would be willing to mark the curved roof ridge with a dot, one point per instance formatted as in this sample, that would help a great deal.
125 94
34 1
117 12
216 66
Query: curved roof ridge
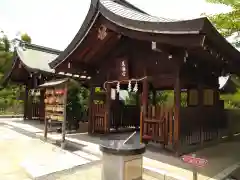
37 47
128 4
42 48
118 8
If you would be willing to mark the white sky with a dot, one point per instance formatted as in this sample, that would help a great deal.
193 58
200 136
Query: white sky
54 23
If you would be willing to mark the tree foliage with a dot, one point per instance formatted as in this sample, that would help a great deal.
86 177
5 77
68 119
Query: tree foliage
26 38
227 23
77 101
9 95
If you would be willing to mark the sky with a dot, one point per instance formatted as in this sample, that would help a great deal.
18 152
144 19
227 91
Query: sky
54 23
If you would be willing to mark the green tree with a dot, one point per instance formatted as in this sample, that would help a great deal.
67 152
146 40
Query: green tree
5 53
9 95
227 23
77 101
26 38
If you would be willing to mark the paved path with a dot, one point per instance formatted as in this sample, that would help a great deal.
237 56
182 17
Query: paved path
23 157
224 157
88 173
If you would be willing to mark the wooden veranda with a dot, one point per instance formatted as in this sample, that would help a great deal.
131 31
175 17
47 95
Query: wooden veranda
119 44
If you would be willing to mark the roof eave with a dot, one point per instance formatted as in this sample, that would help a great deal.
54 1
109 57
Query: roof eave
81 34
221 43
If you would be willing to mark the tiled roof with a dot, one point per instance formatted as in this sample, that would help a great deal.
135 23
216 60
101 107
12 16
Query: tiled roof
129 13
36 59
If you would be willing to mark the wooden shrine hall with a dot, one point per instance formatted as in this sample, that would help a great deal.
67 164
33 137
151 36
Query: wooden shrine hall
30 68
122 47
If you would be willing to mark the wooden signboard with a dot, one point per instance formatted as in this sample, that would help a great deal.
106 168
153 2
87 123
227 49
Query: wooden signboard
122 67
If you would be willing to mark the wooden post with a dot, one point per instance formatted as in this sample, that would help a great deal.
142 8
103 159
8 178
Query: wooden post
200 105
144 106
64 117
30 102
154 97
177 104
117 96
138 103
45 128
90 116
188 97
200 95
26 102
108 110
42 105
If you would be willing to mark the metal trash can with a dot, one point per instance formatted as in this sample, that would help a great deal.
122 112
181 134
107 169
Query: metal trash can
122 161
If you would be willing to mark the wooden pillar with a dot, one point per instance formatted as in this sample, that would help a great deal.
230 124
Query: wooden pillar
36 105
30 100
42 105
216 97
64 123
154 97
177 106
138 103
144 106
108 109
117 96
200 106
90 116
188 97
26 102
200 95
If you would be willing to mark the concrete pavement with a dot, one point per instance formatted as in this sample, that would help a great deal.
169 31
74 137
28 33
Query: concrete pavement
24 157
223 159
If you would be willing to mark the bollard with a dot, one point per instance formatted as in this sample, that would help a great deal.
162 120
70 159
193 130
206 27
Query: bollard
194 170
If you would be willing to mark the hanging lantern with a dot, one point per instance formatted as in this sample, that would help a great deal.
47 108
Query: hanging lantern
129 86
135 89
118 87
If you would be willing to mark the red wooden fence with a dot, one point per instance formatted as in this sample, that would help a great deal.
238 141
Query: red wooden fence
158 124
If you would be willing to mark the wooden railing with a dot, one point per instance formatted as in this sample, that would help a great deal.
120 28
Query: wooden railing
121 116
35 111
199 125
158 124
98 118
